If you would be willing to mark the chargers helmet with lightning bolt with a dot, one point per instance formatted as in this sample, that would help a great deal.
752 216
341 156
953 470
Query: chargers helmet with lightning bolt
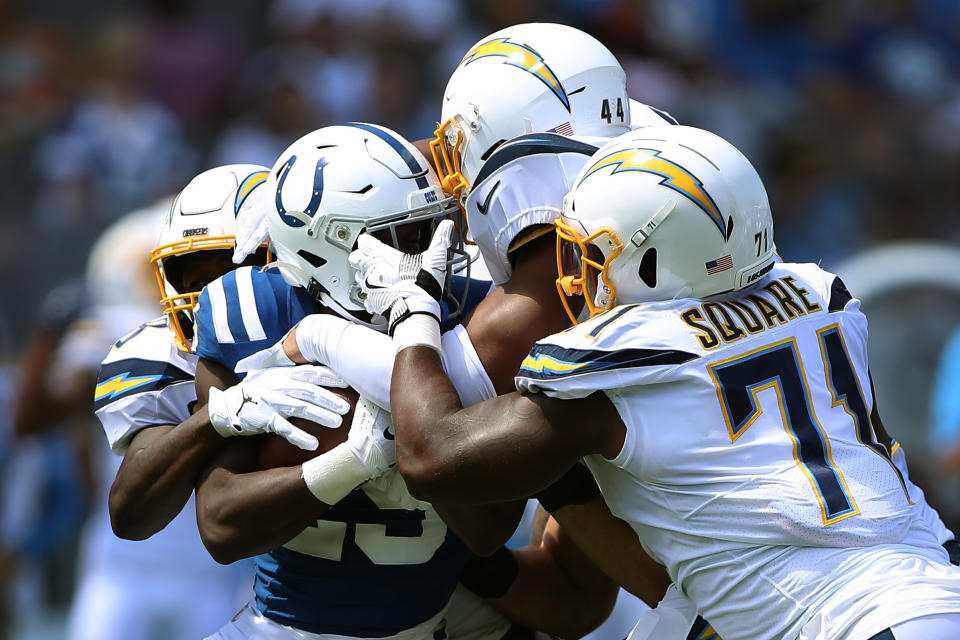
536 77
662 213
203 217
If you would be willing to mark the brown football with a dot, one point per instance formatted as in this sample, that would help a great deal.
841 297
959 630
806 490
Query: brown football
277 452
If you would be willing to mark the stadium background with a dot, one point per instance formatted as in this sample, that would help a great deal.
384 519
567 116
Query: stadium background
850 111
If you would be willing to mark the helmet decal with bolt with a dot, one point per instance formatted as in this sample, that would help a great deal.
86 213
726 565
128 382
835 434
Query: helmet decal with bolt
674 176
640 223
523 57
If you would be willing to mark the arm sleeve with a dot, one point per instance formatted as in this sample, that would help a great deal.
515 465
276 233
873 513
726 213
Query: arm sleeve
364 358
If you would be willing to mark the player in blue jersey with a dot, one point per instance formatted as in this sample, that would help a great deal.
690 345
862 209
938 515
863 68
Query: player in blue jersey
724 406
340 546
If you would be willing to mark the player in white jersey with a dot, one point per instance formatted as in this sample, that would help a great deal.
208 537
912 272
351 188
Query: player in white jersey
526 78
732 428
145 392
140 589
144 399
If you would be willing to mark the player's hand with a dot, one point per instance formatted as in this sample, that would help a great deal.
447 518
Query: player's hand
384 279
272 356
371 438
383 264
251 232
263 401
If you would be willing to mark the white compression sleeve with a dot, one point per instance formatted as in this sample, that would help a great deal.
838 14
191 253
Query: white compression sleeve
361 356
364 358
463 366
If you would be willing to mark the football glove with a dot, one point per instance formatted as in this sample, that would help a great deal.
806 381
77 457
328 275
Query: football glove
371 438
251 232
263 401
389 285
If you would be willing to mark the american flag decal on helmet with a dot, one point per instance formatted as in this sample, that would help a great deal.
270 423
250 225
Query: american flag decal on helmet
720 264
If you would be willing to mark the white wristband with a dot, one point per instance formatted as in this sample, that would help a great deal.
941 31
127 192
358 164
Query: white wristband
332 475
418 330
219 412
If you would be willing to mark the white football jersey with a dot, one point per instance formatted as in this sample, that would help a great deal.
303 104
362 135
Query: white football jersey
144 381
749 455
521 185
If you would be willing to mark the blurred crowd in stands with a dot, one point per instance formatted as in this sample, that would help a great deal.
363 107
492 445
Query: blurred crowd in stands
850 111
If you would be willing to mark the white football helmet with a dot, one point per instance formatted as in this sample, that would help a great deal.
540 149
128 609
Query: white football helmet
335 183
526 78
203 217
663 213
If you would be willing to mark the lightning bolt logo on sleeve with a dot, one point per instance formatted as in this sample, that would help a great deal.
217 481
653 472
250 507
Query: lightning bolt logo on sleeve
674 176
522 57
120 384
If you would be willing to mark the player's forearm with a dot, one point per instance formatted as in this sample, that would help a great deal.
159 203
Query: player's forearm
158 474
450 454
539 593
604 538
483 528
243 515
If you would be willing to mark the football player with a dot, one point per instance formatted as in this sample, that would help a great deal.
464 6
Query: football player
560 82
721 399
341 548
145 391
144 387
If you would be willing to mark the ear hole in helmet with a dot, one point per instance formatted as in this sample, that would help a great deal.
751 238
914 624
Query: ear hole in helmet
729 227
648 268
315 261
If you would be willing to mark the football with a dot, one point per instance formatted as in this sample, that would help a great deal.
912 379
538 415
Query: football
277 452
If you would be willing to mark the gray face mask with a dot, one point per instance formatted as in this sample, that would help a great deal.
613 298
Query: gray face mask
604 294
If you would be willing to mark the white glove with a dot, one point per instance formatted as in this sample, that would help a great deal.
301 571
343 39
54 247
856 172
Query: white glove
263 401
387 265
252 230
371 438
272 356
384 278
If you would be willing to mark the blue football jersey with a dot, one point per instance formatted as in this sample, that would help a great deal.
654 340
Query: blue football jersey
379 561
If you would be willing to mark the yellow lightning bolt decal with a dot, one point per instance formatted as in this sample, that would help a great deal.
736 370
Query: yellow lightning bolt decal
708 634
250 183
674 176
523 57
540 362
120 384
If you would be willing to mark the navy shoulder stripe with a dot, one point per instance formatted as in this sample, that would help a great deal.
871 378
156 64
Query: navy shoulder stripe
127 377
839 296
531 144
551 362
